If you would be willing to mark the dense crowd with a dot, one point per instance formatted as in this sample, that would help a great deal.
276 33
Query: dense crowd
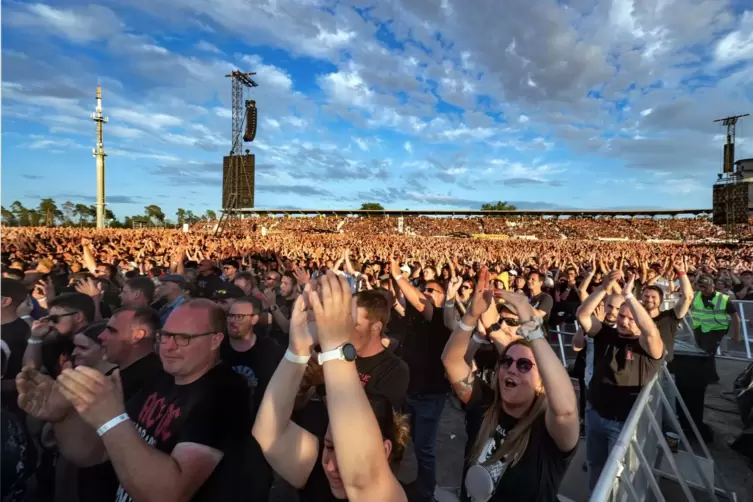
640 228
301 354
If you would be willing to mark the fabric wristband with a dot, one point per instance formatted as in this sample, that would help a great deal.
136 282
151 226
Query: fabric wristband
449 304
113 422
629 296
480 340
295 358
464 326
34 341
680 274
398 277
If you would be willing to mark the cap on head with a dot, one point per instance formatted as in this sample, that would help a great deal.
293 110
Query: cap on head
705 281
176 278
228 291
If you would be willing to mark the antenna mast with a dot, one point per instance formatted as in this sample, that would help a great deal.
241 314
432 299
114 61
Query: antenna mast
99 155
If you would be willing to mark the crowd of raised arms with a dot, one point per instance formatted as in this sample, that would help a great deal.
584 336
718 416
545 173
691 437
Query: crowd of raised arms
160 365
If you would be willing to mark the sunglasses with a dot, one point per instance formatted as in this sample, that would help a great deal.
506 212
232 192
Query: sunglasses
181 339
270 279
464 287
432 290
55 318
510 322
523 364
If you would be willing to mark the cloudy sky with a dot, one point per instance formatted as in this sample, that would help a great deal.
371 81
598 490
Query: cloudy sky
416 104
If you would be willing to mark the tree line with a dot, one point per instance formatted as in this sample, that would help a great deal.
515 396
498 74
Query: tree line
49 214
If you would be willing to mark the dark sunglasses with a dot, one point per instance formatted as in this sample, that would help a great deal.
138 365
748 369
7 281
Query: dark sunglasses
270 279
510 322
523 364
55 318
181 339
464 287
432 290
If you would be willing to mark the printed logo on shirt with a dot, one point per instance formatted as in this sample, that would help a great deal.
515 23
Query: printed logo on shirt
364 379
249 375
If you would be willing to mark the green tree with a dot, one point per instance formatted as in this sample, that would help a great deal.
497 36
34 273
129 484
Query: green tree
21 214
69 212
191 218
36 218
499 206
181 215
83 213
9 218
49 211
371 206
154 212
211 215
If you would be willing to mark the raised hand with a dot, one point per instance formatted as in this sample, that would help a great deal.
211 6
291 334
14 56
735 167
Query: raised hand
482 295
629 284
89 287
40 397
452 287
95 397
333 311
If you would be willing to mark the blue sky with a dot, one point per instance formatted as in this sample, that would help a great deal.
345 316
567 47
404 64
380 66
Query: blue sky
411 103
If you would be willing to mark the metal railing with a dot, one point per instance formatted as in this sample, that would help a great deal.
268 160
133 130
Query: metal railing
642 455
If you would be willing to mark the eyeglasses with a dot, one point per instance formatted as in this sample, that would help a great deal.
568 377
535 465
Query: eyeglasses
270 279
180 339
510 321
523 364
464 287
238 317
55 318
432 290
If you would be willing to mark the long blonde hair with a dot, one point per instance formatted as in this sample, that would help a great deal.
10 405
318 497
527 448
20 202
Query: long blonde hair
517 439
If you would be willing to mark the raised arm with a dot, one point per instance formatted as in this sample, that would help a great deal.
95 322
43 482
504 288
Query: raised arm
361 459
412 295
449 313
289 449
590 324
650 339
686 289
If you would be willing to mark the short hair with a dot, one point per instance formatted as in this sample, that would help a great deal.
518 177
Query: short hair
14 273
217 317
254 302
537 273
245 275
15 290
144 285
146 317
75 301
290 275
659 291
112 270
376 304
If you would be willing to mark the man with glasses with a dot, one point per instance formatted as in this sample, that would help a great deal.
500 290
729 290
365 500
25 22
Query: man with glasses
184 436
51 341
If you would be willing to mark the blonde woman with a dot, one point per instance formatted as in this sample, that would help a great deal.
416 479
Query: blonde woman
530 427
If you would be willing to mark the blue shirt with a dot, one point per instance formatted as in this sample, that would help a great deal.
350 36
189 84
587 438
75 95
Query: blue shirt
165 311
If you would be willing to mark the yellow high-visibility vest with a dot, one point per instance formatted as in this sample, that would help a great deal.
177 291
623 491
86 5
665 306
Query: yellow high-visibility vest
715 318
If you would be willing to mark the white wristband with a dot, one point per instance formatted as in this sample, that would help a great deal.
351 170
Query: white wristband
629 296
34 341
398 277
464 326
480 340
449 304
295 358
113 422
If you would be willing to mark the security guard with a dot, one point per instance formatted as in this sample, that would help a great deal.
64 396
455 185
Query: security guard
712 313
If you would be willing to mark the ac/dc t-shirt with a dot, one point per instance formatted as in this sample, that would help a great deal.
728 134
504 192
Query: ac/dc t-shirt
538 474
256 365
213 411
621 368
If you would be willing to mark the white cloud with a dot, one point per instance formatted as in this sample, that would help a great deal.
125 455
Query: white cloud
363 145
523 119
205 46
272 123
737 45
408 147
80 25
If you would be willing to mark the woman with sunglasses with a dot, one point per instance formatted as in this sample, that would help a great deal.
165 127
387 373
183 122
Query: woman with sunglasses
530 427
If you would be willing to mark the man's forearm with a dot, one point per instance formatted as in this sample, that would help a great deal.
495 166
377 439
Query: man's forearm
281 320
146 473
78 441
33 354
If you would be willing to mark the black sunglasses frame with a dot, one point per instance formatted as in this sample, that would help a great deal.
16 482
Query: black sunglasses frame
523 364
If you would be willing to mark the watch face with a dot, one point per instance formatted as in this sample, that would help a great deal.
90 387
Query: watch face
349 352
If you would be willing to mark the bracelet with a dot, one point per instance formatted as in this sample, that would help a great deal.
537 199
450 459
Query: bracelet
680 274
113 422
480 340
464 326
34 341
449 304
629 296
27 316
398 277
295 358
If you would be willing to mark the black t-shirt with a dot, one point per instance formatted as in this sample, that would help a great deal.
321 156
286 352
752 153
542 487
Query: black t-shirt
748 296
19 457
212 411
317 487
384 374
543 301
667 324
422 350
256 365
15 334
206 285
538 474
621 369
285 307
100 482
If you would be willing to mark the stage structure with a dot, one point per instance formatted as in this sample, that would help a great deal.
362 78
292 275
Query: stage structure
99 155
731 192
238 167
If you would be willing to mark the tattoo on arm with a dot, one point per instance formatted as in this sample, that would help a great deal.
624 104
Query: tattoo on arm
464 386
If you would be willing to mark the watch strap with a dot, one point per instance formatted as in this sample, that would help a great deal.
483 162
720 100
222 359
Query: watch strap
331 355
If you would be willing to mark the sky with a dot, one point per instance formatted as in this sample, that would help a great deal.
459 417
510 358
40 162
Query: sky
415 104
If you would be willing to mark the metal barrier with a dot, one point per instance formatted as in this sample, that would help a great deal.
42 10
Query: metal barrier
642 455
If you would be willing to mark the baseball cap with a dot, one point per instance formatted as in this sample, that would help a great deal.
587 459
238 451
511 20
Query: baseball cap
705 281
176 278
405 269
228 291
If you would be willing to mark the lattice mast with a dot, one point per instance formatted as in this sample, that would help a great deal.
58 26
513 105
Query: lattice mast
734 209
99 155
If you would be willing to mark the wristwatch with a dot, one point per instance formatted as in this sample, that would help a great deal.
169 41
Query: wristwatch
345 352
531 329
273 308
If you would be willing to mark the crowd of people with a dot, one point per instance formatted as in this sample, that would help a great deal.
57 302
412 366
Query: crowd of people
162 365
640 228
